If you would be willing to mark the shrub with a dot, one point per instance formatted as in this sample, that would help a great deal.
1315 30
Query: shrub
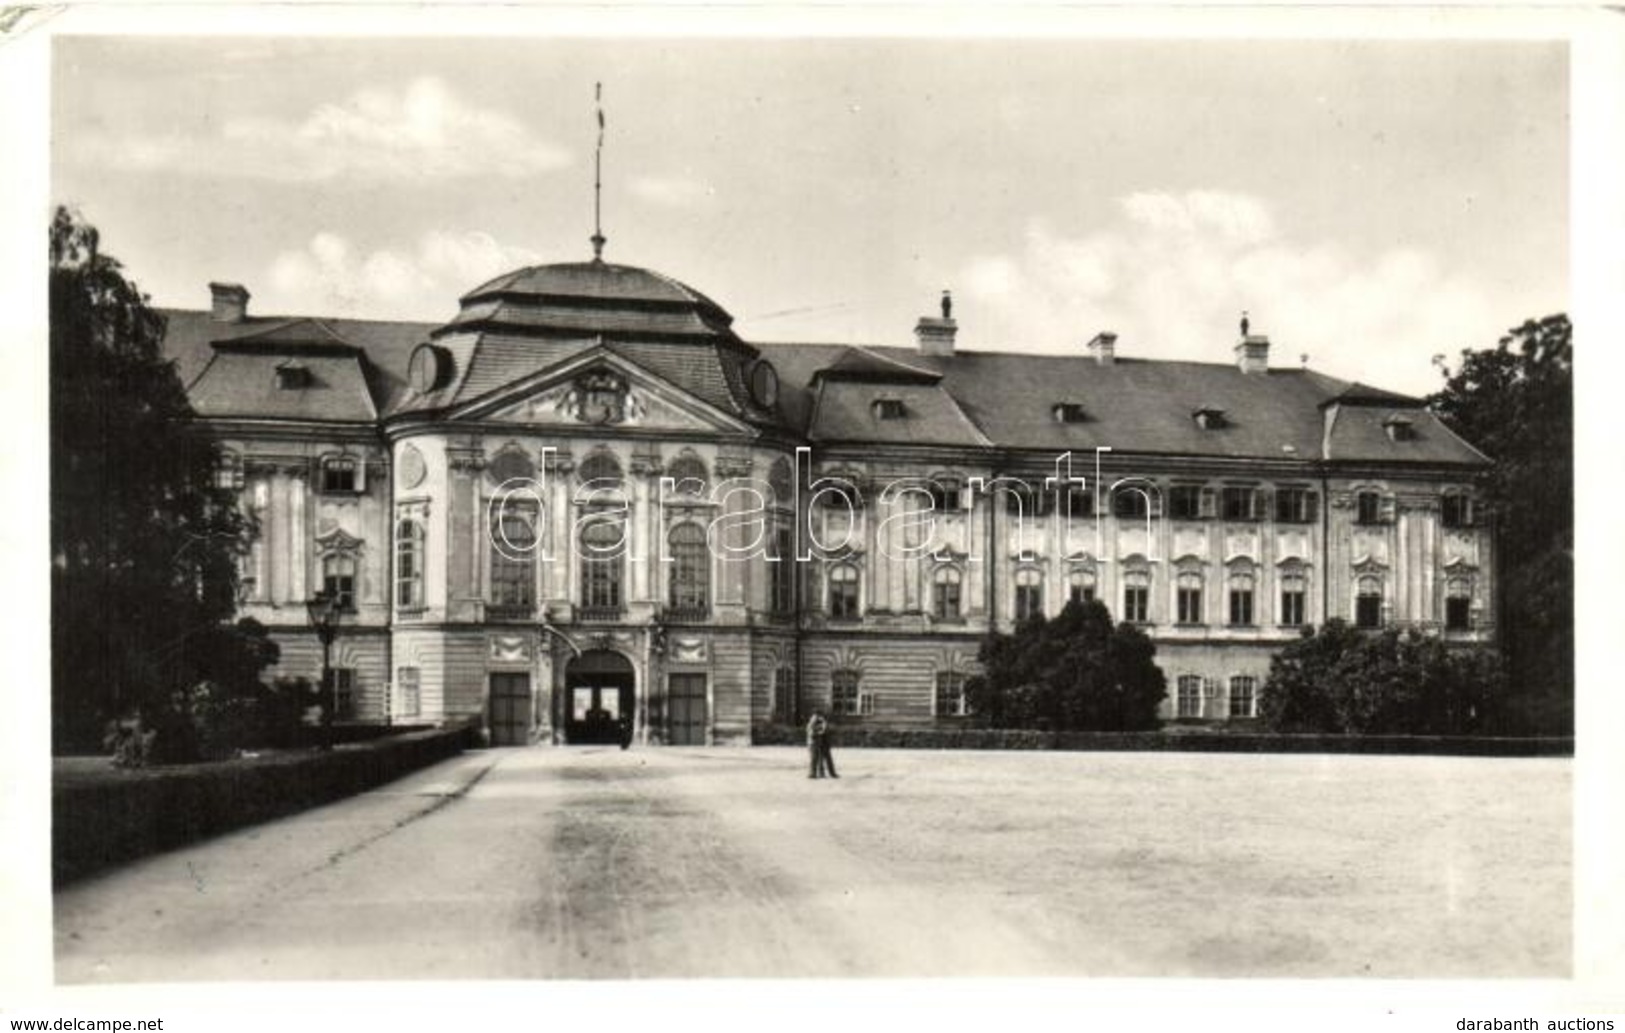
1390 682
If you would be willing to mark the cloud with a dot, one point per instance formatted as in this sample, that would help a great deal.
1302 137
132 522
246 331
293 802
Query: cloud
420 131
329 275
1171 273
671 191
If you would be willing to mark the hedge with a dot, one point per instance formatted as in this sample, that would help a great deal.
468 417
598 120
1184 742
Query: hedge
126 814
1171 740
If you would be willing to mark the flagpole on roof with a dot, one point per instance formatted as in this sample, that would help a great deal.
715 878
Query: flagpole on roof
598 179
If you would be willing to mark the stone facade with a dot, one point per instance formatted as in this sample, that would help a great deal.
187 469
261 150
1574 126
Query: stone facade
585 501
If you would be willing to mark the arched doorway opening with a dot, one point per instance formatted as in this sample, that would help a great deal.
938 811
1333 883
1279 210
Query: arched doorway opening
599 698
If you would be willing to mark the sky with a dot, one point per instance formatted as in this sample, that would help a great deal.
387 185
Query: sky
1372 204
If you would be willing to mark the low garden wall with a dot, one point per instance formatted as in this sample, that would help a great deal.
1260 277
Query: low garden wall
1168 740
114 815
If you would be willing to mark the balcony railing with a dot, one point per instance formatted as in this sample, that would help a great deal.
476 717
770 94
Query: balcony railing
600 613
510 611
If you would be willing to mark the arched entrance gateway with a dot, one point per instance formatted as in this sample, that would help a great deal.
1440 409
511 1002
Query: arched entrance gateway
599 694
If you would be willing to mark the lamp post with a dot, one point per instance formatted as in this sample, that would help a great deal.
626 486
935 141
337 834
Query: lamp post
323 610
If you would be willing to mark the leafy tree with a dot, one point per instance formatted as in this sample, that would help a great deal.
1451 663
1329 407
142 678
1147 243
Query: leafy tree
1515 402
1393 682
1074 672
144 545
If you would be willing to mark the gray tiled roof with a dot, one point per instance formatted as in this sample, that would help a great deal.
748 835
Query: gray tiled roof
972 399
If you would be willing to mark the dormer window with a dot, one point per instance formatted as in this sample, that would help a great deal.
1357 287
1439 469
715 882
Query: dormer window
1069 412
1399 428
1208 417
339 475
889 409
291 376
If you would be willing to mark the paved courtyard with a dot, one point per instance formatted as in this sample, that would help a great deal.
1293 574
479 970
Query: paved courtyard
594 863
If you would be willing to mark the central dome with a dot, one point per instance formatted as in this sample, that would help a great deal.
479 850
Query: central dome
573 298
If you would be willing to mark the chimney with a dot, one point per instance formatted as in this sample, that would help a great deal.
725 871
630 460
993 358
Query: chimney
1253 353
1104 348
936 336
1253 350
230 302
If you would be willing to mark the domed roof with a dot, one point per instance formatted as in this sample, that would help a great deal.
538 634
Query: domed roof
592 297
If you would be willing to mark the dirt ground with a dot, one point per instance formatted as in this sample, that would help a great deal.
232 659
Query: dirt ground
597 863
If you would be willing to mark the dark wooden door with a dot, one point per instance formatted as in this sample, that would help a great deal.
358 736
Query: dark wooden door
510 709
685 710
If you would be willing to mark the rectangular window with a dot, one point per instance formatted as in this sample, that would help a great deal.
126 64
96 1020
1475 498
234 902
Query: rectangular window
784 693
1185 502
406 684
1136 604
845 696
945 497
338 580
1081 588
1080 503
843 593
1368 610
1295 506
1241 606
1190 606
1457 511
341 689
1240 503
338 475
1243 695
1190 695
1458 614
1029 600
784 573
951 694
1368 508
1292 600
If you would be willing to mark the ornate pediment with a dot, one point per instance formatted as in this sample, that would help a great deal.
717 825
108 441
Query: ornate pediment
337 540
602 391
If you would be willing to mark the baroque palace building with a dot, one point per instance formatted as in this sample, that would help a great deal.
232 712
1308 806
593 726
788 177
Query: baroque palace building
585 498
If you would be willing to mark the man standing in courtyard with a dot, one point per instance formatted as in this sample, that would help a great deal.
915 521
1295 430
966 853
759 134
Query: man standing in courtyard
818 753
817 731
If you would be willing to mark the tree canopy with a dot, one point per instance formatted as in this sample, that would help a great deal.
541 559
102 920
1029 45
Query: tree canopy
144 544
1515 402
1075 672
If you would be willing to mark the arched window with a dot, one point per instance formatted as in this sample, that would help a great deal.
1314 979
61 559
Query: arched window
513 561
1190 695
338 579
1080 586
1029 593
843 592
1189 598
1137 597
690 589
603 542
1458 604
1241 598
945 593
1368 603
1294 595
688 474
409 565
1243 696
601 470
